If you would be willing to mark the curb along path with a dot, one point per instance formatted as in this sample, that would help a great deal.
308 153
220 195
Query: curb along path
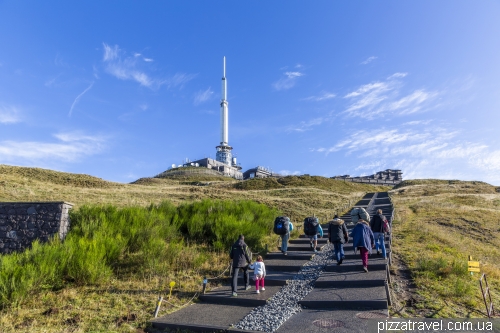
304 292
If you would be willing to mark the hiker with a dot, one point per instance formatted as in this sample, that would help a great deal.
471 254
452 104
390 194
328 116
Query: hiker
259 273
363 240
377 226
241 255
282 227
337 234
311 229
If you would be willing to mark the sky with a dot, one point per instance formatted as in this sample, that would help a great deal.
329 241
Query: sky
124 89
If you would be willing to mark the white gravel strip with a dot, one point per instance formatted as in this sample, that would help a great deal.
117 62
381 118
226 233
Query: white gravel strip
284 304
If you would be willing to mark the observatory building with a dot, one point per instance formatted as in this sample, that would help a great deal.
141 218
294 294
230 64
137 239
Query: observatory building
224 163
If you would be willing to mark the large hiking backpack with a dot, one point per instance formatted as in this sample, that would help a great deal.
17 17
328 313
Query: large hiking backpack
281 225
359 213
311 226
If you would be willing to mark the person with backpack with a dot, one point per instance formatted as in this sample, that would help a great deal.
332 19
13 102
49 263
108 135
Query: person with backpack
363 240
337 234
242 257
311 229
377 224
282 227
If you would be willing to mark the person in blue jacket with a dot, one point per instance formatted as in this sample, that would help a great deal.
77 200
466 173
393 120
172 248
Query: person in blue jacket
363 240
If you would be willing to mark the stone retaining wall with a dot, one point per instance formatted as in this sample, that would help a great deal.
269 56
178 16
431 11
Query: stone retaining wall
23 222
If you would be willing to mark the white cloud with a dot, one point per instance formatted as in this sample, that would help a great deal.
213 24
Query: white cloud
289 173
77 99
70 148
203 96
124 67
179 80
421 153
307 125
324 96
287 82
368 60
378 99
418 122
9 115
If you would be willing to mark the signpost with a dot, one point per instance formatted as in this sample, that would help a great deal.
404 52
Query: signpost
473 266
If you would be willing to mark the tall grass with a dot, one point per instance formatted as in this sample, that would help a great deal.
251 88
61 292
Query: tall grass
105 240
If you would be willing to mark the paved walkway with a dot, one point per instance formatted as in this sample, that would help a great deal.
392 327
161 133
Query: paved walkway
342 298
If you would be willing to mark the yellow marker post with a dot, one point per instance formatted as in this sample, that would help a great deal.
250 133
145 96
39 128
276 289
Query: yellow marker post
473 266
172 284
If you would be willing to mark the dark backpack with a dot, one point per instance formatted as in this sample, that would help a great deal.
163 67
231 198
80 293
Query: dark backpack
311 226
281 225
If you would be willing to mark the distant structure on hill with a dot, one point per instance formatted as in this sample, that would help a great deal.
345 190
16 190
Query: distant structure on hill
387 177
224 164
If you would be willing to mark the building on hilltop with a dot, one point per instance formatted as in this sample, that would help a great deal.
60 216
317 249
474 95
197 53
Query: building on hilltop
259 172
387 177
224 164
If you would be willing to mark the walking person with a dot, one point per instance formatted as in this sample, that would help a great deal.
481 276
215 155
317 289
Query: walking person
312 229
282 227
259 273
241 255
377 226
363 240
337 234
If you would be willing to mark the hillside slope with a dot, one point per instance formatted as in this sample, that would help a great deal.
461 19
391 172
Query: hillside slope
438 224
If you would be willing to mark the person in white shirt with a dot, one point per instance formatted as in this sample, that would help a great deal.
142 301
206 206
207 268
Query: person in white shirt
259 273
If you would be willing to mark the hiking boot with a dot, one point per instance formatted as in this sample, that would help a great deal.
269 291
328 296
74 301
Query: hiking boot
257 292
365 269
234 294
340 261
247 287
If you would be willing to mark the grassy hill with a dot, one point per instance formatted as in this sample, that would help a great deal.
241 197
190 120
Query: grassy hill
129 287
438 224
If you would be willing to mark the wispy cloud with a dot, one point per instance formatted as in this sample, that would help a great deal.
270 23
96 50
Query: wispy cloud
179 80
323 96
124 67
426 152
203 96
9 114
70 147
383 98
307 125
288 81
289 173
77 99
418 122
368 60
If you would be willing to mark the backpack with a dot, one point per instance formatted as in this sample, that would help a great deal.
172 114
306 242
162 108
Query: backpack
281 225
385 226
311 226
359 213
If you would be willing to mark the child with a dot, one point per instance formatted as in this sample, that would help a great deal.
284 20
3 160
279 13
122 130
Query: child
259 273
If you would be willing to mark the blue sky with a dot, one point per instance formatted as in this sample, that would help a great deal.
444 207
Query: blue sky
122 90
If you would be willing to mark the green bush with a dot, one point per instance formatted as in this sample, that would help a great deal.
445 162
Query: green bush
104 239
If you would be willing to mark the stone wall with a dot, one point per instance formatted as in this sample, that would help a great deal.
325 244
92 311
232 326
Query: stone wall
23 222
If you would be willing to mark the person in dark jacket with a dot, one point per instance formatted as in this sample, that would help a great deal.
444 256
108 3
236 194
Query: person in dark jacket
337 234
242 257
377 226
363 240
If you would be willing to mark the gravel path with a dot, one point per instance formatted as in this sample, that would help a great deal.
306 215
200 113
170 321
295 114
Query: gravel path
283 305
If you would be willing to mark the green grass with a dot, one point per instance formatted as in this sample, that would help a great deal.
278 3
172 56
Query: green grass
438 224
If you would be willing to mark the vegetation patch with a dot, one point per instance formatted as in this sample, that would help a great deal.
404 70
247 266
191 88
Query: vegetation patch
437 225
